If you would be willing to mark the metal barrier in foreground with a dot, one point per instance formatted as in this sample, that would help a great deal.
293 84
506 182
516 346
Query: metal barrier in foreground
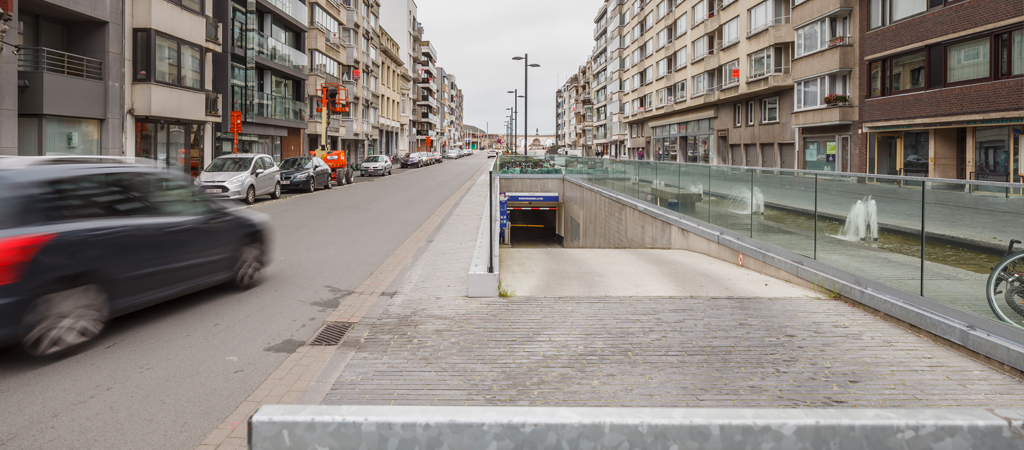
276 427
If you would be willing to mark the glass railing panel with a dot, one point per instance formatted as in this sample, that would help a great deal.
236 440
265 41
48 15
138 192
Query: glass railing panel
665 189
870 229
694 199
967 231
647 181
784 210
730 198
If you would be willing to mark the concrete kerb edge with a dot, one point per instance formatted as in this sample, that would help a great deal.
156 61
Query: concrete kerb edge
280 426
994 340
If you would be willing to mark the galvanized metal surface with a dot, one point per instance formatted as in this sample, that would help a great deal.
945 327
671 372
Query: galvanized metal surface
278 427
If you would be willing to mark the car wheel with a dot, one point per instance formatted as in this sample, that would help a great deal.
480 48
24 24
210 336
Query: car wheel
250 195
312 185
65 319
249 267
276 194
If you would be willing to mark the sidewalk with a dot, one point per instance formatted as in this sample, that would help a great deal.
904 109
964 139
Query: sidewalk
431 345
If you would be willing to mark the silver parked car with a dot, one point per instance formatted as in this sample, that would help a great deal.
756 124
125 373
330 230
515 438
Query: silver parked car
243 176
375 165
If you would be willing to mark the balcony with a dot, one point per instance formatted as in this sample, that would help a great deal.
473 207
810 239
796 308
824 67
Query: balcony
294 8
39 59
212 103
277 51
212 29
267 106
842 114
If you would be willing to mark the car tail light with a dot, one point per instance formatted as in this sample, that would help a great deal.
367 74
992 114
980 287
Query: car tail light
16 252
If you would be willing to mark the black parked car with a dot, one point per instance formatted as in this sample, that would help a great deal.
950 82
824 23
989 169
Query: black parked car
305 172
81 243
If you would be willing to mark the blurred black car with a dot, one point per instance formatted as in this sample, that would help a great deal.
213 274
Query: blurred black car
305 173
81 243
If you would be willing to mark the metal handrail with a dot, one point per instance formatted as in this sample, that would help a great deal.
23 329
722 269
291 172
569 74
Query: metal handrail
41 59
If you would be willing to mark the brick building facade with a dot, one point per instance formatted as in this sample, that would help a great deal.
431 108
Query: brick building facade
943 85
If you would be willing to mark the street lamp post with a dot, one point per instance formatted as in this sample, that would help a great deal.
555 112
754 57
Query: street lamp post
515 111
526 93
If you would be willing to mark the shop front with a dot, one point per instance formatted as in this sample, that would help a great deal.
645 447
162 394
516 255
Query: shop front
827 152
175 146
691 141
984 150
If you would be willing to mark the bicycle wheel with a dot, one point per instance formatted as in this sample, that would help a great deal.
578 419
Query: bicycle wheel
1005 290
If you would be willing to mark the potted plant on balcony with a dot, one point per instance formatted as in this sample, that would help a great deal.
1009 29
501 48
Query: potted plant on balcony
837 100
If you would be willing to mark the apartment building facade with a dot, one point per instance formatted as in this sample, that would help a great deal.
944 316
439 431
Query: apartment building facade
399 18
712 81
262 73
567 101
394 85
943 85
425 114
327 60
61 88
361 76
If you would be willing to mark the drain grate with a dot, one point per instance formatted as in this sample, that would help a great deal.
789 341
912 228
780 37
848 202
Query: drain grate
331 334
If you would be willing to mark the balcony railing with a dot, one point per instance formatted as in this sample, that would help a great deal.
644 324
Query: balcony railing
39 59
755 74
293 8
212 29
840 40
262 104
277 51
328 78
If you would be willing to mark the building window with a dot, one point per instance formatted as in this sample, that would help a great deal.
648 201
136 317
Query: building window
884 12
700 12
899 74
700 48
680 91
731 32
169 60
737 113
663 37
663 66
648 48
765 62
323 63
750 113
1017 50
680 58
195 6
823 34
681 25
758 17
324 21
700 84
649 75
663 9
730 74
770 110
810 93
968 61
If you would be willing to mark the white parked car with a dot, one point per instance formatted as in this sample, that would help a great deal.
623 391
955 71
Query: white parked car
492 153
452 154
375 165
244 176
465 152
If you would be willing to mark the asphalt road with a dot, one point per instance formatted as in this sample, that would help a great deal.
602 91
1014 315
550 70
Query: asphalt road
164 377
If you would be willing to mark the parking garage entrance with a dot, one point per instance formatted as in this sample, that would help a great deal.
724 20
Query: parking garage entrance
533 220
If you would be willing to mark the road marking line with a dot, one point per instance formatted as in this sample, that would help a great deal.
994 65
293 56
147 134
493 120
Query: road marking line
307 362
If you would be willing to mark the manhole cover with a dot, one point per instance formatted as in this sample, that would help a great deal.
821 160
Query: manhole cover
331 334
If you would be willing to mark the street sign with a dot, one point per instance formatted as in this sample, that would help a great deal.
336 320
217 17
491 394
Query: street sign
236 127
334 37
736 73
356 74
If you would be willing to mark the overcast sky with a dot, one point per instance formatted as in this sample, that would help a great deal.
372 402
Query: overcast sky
476 40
